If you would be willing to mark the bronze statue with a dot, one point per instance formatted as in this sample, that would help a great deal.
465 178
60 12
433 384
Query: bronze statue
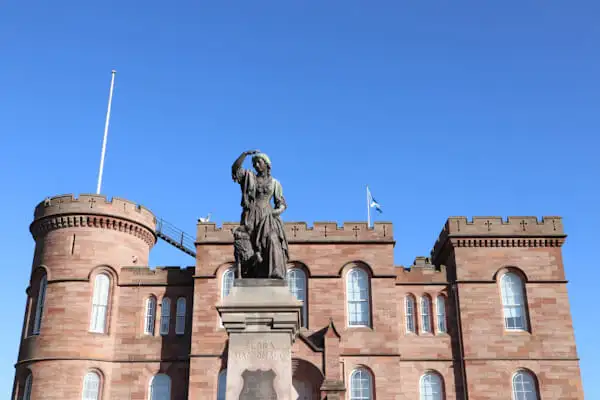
260 245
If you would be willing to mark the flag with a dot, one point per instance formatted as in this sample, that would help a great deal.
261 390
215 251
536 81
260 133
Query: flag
372 202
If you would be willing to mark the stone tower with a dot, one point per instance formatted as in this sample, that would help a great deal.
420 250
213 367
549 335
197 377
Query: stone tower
79 244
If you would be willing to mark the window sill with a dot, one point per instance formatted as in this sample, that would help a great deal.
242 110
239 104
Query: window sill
517 332
359 328
98 333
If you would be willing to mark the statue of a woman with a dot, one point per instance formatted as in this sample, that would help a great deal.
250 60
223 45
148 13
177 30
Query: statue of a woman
261 248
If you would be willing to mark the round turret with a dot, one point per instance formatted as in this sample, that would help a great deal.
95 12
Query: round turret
71 316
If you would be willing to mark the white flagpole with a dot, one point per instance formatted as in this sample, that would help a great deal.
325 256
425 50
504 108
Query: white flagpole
368 208
112 85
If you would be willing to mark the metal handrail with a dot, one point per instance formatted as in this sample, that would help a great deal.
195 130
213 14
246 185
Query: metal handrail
175 236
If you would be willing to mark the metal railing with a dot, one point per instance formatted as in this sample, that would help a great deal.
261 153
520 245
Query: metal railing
175 237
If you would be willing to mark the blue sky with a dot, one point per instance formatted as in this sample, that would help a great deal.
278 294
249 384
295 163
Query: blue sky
443 108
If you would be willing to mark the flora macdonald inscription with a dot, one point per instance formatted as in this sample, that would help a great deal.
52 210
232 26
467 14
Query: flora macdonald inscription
263 350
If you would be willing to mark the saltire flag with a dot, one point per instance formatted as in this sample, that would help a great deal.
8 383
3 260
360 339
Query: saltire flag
372 202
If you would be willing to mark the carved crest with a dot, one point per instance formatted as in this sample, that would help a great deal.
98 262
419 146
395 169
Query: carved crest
258 385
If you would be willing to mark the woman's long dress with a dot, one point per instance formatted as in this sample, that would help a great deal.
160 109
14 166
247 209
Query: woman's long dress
265 229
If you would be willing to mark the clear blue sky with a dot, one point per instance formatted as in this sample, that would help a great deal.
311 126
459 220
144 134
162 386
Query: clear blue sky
444 108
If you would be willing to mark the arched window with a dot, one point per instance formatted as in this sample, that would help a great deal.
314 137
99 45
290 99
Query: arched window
222 384
91 386
227 282
150 316
524 386
180 317
165 316
160 387
27 387
513 302
425 314
440 305
357 295
410 313
431 387
296 279
39 307
361 385
226 285
100 303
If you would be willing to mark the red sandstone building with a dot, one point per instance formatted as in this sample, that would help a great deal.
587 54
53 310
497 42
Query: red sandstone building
486 316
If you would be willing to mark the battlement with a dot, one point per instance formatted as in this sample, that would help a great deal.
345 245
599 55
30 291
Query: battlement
300 232
92 204
486 228
159 276
422 271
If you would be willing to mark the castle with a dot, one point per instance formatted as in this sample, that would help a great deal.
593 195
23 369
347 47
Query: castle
485 316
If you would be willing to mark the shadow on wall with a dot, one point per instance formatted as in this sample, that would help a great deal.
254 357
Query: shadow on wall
176 344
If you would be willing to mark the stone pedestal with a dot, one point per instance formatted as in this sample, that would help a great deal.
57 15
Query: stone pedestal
262 319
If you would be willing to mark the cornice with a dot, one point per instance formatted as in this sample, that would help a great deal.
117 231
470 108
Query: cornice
508 241
42 226
498 232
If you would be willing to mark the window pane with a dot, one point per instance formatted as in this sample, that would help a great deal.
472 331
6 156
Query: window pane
39 309
180 318
91 386
160 388
524 386
410 314
357 293
226 285
227 282
296 279
441 314
150 315
165 316
513 303
27 387
100 303
360 385
425 314
431 387
101 287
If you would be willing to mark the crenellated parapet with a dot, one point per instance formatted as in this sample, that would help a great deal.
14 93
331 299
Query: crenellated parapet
499 232
300 232
89 210
423 271
159 276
